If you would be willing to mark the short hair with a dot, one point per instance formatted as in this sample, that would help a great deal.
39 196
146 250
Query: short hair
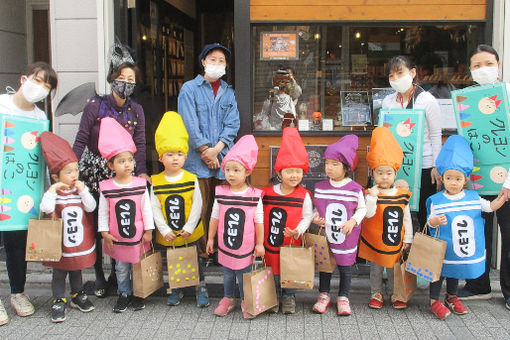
50 76
115 73
396 63
486 48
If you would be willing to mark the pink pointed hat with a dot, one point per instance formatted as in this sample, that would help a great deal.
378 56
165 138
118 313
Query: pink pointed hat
114 139
344 150
245 151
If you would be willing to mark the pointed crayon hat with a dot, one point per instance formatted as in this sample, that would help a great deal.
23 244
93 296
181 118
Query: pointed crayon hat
114 139
384 149
245 151
56 151
455 155
292 153
344 150
171 134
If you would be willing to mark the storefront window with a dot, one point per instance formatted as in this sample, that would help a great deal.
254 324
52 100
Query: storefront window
333 77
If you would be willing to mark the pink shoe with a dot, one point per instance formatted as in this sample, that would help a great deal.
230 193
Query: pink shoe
343 307
246 315
322 304
224 307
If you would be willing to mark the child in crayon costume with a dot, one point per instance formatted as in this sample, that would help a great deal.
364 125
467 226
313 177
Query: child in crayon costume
387 228
340 204
68 198
288 209
176 199
125 217
238 217
458 215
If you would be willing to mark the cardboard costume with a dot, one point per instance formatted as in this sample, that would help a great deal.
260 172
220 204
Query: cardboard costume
464 231
78 241
382 235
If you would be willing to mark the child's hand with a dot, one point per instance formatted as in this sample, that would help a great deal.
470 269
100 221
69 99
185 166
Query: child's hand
373 191
58 186
348 226
185 234
437 220
210 246
287 232
108 239
147 236
400 183
406 246
498 201
259 250
79 185
320 221
170 236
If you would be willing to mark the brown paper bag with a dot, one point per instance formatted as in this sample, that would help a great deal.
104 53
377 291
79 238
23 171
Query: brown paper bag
259 290
148 274
182 267
426 256
44 240
404 283
324 259
297 267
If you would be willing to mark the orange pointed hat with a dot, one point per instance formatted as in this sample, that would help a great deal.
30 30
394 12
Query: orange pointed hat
292 153
384 149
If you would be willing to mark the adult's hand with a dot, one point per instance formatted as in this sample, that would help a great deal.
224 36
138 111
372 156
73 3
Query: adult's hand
210 157
506 193
436 178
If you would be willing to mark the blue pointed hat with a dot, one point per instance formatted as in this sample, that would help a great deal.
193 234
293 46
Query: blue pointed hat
455 155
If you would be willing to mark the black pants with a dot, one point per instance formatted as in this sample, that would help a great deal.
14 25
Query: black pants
451 287
345 281
15 244
482 284
58 282
427 189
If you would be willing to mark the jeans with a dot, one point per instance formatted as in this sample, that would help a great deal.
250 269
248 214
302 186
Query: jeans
376 279
229 281
124 271
283 291
345 281
451 287
15 244
58 282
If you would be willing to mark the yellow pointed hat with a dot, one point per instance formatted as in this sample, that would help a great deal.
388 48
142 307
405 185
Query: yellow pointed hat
171 134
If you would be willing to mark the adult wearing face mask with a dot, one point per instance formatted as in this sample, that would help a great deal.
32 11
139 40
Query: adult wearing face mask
123 75
37 82
408 95
484 66
208 108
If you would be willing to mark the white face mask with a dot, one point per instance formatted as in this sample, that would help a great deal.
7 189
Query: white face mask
485 75
33 92
403 84
214 71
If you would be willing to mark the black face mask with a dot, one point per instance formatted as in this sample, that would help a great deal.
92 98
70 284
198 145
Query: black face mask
123 88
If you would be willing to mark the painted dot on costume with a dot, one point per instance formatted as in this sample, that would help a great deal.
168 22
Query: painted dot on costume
189 265
178 265
498 174
179 258
193 277
193 270
184 271
186 278
172 278
178 280
170 267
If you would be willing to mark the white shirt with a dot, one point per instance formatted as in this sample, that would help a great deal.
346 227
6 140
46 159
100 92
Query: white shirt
259 212
49 200
7 106
194 214
407 223
432 130
103 212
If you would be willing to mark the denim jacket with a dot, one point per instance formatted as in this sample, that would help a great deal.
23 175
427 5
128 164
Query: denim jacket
208 119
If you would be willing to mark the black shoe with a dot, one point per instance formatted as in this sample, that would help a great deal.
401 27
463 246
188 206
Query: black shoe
137 303
81 301
58 310
122 303
465 294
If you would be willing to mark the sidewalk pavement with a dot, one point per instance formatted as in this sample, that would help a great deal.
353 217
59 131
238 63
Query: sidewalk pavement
487 319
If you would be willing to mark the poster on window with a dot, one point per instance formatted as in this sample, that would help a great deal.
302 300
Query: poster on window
407 127
482 114
22 170
355 108
279 46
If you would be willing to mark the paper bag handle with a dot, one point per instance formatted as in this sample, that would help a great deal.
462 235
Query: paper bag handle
185 243
254 266
436 233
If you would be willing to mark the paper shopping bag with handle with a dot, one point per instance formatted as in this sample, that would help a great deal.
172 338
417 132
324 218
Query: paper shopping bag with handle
404 283
259 289
44 240
297 267
426 256
148 274
182 267
324 259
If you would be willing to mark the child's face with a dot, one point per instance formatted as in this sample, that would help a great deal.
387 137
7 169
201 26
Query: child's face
454 181
384 176
235 173
335 169
68 175
291 176
173 160
123 164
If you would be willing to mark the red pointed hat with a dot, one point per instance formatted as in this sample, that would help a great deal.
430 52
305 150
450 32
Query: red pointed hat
292 153
114 139
56 151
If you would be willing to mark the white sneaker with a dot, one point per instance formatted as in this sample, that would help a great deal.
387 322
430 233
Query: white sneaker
22 304
3 315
